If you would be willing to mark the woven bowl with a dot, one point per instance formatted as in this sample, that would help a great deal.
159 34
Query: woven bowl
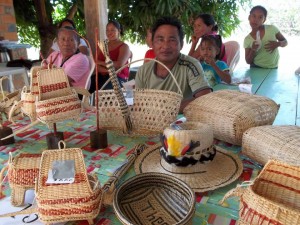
154 198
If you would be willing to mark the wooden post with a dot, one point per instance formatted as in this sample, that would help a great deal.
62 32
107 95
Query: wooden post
93 19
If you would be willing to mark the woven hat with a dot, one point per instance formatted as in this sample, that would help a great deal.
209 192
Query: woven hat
221 171
188 143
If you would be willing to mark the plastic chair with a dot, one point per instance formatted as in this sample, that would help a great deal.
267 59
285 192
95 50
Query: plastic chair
233 54
92 68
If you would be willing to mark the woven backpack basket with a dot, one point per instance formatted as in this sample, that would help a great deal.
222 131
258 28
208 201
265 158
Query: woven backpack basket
56 100
231 113
28 97
80 200
273 142
22 173
273 198
151 112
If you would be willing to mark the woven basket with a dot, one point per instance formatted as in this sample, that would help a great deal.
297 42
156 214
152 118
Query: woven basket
22 172
28 97
273 142
154 198
274 197
152 111
28 103
80 200
34 89
231 113
57 101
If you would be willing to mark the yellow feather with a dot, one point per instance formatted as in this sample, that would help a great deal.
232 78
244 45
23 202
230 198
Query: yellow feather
174 146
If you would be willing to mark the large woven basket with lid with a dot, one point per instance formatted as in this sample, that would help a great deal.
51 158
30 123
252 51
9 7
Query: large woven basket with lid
273 142
273 198
231 113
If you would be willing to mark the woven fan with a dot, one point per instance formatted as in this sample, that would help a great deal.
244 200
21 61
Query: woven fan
127 126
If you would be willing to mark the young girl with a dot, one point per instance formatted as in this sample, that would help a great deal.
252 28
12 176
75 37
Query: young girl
215 70
204 24
261 45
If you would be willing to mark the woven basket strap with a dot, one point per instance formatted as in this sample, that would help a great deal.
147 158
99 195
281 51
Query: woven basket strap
116 86
21 130
2 177
109 186
22 212
1 86
235 192
16 105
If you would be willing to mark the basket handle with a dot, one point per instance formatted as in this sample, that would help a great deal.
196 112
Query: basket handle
236 192
149 59
1 86
61 142
2 177
109 186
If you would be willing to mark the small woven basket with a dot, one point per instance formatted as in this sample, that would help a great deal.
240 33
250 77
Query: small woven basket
273 142
151 112
80 200
28 103
29 97
34 88
22 172
274 197
154 198
231 113
57 101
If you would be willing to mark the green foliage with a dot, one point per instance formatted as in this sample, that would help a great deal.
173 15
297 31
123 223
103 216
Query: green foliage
56 10
135 15
138 15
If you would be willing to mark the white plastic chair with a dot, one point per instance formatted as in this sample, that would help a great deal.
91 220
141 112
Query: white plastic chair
232 49
92 68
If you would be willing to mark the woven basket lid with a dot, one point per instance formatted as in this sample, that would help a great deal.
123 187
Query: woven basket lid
223 170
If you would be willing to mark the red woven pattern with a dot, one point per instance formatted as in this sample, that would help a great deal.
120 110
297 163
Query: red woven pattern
55 103
23 176
27 101
248 215
68 211
71 200
59 110
29 155
53 87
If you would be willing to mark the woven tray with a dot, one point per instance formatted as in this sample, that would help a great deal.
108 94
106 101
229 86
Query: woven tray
80 200
154 198
274 197
152 111
231 113
22 172
273 142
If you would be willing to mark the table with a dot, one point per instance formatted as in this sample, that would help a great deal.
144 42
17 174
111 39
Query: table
11 72
104 161
278 84
281 85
